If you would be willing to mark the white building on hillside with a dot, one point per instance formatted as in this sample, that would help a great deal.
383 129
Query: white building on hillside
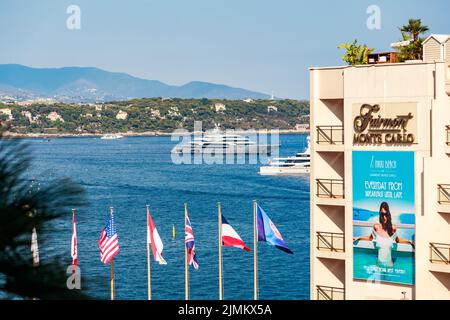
272 109
121 115
220 107
54 116
7 112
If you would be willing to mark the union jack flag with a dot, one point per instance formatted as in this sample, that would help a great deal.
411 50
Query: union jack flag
190 244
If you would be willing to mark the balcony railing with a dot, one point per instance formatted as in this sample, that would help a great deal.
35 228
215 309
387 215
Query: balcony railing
440 253
330 135
330 188
330 293
447 131
330 241
444 193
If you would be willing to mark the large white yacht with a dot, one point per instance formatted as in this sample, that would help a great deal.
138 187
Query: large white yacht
217 142
290 166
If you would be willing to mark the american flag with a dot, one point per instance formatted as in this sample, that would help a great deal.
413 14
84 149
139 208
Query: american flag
108 242
190 244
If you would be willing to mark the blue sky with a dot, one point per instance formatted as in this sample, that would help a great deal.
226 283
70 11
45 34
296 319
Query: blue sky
260 45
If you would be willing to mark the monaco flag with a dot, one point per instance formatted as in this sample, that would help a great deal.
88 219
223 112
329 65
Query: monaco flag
154 240
230 238
73 249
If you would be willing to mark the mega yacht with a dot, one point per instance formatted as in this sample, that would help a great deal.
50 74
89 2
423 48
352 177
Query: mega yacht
217 142
290 166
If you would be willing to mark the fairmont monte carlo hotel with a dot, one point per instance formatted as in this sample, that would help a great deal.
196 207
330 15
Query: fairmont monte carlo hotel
380 177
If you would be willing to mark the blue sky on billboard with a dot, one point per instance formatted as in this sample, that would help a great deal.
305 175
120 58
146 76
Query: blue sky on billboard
403 174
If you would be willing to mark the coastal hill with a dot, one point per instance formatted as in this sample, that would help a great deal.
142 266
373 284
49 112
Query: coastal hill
162 115
83 84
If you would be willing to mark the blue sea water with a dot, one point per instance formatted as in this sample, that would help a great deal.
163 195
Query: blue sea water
132 172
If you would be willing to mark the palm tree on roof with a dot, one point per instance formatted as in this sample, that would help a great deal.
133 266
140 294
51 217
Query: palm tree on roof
414 28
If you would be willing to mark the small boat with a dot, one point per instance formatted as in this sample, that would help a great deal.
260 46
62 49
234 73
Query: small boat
299 164
111 136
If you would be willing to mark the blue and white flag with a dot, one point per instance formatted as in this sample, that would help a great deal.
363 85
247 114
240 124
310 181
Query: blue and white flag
267 232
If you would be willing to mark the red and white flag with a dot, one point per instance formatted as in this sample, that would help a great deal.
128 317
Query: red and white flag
73 248
154 240
35 248
230 238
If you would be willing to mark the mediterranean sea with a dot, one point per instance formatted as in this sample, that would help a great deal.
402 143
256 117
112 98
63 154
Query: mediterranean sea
131 172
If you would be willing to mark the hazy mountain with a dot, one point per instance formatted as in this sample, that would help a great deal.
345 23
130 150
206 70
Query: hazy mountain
91 84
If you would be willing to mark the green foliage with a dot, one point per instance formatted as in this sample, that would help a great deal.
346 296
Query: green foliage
23 206
356 54
412 31
160 115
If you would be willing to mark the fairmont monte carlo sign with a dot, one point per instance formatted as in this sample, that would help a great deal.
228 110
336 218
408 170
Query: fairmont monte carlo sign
392 124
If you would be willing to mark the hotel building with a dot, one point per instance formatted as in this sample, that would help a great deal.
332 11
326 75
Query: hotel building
384 109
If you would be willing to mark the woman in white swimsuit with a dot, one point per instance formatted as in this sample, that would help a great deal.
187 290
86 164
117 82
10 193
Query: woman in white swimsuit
384 234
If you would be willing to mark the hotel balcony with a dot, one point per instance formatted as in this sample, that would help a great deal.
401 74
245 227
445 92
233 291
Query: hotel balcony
330 192
440 257
443 198
330 293
330 138
330 245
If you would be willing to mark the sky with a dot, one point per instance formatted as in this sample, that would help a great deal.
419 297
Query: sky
260 45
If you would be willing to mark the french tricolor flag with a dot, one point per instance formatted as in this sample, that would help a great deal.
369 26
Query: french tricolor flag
230 238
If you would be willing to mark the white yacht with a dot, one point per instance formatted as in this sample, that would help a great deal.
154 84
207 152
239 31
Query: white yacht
111 136
291 166
217 142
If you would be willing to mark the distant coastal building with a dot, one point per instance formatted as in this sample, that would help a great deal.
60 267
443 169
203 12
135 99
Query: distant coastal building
220 107
173 112
26 103
380 184
28 115
271 109
248 100
7 99
302 127
54 116
7 112
155 113
121 115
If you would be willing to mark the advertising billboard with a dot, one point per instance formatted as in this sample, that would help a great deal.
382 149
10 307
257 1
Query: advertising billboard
383 216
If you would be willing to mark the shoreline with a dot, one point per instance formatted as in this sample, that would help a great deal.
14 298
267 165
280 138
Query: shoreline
126 134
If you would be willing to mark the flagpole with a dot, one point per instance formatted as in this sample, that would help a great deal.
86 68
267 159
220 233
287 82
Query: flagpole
186 265
255 253
219 209
149 275
73 217
112 267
